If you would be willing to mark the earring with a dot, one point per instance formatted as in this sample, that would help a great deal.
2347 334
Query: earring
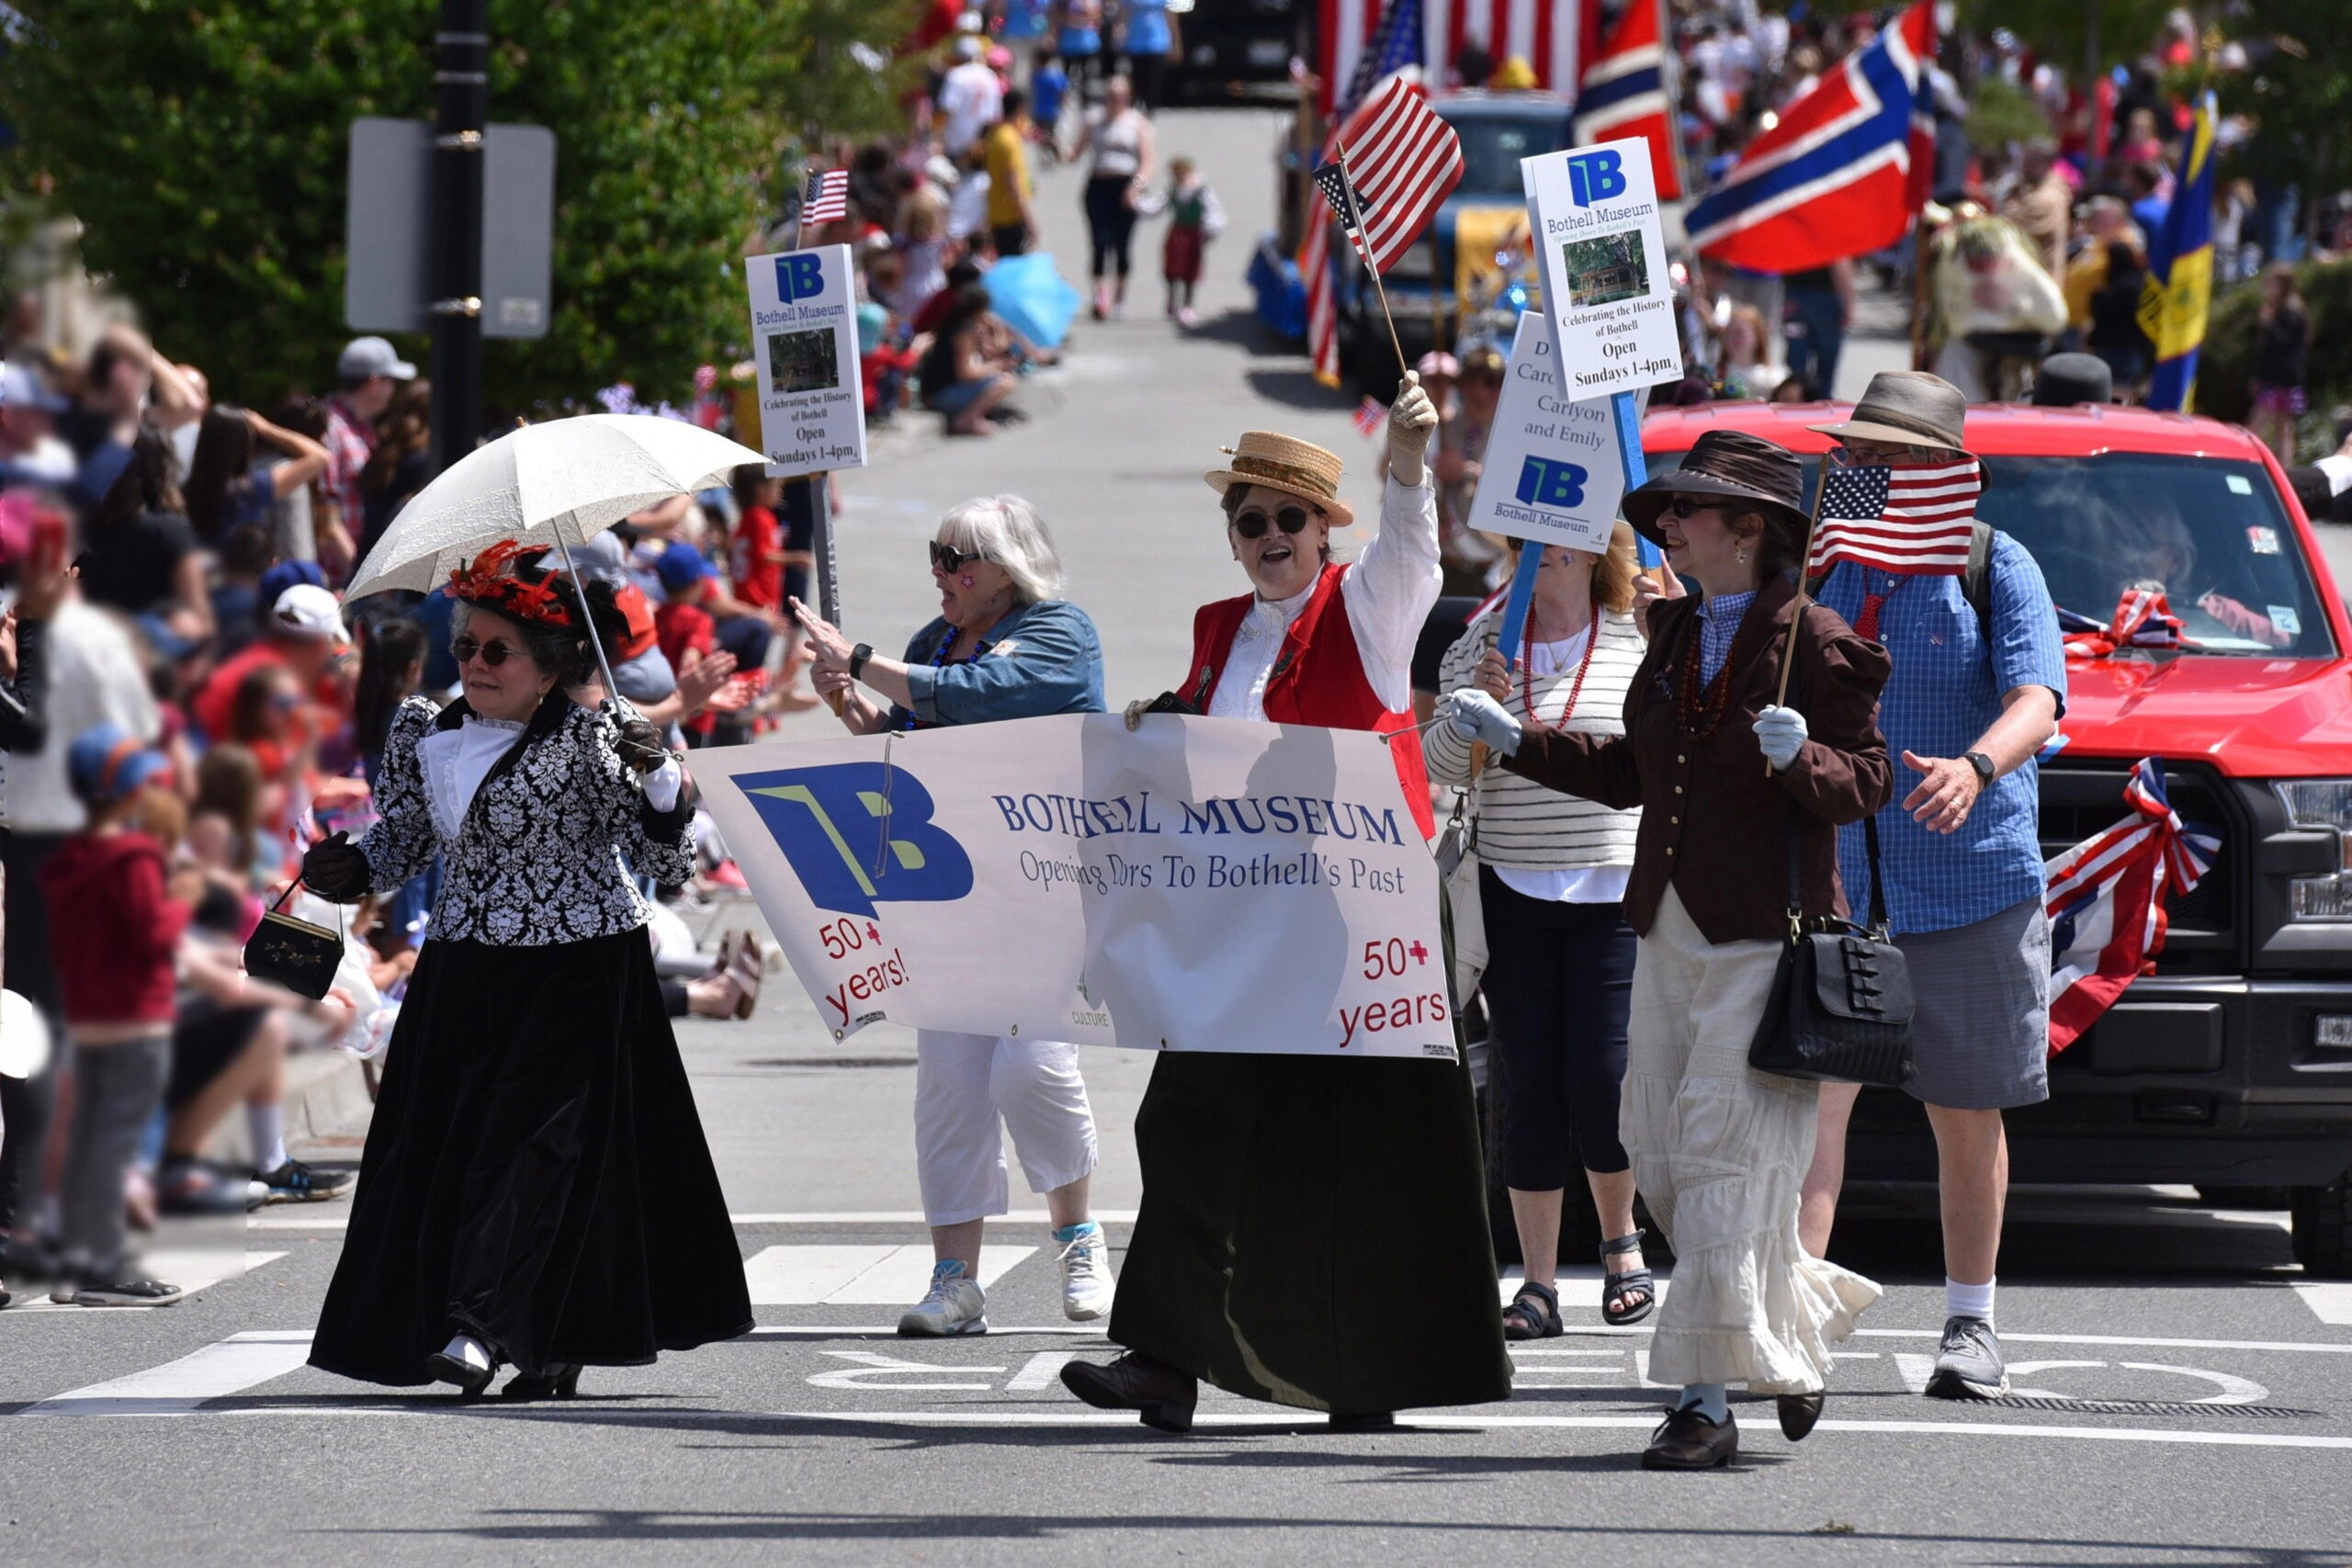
1743 558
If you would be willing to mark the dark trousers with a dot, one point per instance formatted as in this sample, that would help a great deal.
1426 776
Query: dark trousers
116 1091
1559 988
1112 224
1814 323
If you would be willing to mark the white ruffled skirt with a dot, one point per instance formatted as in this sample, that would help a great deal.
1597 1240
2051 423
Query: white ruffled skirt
1720 1152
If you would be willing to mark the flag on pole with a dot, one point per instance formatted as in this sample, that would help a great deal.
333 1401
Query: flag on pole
1553 36
828 196
1913 519
1843 172
2179 291
1393 51
1403 161
1624 94
2107 901
1370 415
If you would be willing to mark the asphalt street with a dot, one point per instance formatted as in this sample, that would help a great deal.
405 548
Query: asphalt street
2184 1394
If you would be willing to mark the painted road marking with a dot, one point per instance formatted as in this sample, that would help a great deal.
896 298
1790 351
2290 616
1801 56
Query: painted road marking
860 1276
868 1369
1041 1370
192 1271
1578 1288
2329 1302
225 1367
303 1221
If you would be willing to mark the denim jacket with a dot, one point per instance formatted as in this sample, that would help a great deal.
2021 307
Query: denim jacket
1041 659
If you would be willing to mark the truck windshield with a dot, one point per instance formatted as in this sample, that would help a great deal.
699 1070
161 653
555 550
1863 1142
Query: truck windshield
1493 144
2209 532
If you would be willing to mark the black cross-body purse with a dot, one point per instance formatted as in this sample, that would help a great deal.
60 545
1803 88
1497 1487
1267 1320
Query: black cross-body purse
1840 1008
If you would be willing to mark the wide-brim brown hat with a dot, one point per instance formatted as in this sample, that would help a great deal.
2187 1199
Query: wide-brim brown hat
1912 408
1728 465
1284 463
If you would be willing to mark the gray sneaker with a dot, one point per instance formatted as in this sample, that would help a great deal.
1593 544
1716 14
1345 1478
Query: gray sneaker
1970 1365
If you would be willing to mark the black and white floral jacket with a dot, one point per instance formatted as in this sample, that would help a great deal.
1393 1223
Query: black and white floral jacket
546 848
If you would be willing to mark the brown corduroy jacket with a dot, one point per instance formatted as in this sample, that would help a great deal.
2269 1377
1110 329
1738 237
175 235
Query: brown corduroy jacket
1713 822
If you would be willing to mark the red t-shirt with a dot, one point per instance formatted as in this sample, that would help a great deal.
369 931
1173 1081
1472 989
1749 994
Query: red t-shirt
759 575
681 627
215 701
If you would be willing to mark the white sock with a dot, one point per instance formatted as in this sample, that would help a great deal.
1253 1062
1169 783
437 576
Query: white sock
1968 1300
267 1123
1708 1399
468 1351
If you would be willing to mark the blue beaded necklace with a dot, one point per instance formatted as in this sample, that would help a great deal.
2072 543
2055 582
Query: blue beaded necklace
939 661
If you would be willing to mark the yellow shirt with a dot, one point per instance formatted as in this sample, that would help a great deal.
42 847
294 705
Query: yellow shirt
2085 276
1009 186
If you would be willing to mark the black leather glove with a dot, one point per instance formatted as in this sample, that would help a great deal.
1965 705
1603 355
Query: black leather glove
640 744
335 870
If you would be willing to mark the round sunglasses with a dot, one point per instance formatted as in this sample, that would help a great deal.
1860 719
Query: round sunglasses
1252 524
494 653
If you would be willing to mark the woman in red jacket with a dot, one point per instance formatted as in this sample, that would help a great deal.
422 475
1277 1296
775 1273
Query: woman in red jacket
1281 1191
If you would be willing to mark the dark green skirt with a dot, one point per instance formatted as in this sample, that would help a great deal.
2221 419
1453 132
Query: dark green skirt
1314 1233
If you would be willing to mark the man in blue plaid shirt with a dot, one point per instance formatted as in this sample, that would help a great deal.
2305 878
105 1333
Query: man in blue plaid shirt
1969 704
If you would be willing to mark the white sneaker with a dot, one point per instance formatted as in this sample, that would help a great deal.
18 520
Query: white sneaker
1087 1286
955 1306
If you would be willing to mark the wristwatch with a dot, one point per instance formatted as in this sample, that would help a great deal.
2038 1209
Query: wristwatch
1986 771
857 657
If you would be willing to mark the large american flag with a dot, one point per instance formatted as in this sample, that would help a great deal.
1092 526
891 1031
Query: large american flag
2107 897
828 199
1913 519
1392 54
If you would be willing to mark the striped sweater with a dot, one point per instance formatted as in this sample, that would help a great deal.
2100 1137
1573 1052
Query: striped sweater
1520 823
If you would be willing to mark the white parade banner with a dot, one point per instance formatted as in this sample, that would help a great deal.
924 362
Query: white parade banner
804 356
1607 290
1194 884
1551 471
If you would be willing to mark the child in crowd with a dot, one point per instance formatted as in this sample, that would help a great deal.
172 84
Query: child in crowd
1193 219
1049 85
116 925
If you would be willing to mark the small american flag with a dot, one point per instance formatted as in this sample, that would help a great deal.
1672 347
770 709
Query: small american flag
828 199
1403 161
1912 519
1370 415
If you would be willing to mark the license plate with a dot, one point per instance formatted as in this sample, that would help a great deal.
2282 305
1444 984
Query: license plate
1268 51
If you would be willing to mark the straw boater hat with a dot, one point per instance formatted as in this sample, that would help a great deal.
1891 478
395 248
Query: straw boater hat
1723 465
1284 463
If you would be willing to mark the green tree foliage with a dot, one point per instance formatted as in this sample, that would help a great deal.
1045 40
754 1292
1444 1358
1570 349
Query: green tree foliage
203 148
2061 30
2225 364
2297 88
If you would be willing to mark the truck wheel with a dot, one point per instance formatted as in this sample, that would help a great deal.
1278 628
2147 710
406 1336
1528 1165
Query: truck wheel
2323 1228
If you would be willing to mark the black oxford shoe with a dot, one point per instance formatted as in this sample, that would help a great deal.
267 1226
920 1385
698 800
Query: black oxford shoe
1163 1397
1687 1440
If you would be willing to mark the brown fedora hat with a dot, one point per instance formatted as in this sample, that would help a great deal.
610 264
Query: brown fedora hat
1287 464
1912 408
1728 465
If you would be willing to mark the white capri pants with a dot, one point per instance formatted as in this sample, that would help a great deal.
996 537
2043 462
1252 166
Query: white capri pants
970 1089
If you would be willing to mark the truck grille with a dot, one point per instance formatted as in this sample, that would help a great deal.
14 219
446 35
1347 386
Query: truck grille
2082 796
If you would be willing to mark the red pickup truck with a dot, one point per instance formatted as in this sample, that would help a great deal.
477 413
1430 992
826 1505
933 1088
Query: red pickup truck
2231 1066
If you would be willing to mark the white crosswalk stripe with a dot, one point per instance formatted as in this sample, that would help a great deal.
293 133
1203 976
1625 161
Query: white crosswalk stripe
2330 1301
858 1276
225 1367
191 1271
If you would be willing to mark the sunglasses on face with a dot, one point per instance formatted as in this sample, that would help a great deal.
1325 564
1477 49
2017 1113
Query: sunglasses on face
1253 524
494 653
1691 506
951 560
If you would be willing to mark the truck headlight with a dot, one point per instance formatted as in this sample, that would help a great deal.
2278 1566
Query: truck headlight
2321 804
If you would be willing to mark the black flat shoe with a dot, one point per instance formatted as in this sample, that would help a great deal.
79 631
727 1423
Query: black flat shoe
471 1380
1798 1413
1163 1397
561 1384
1372 1421
1687 1440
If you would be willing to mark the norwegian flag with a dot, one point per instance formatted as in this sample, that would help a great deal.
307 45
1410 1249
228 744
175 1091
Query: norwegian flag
1370 415
828 196
1913 519
1626 93
2107 901
2144 618
1843 172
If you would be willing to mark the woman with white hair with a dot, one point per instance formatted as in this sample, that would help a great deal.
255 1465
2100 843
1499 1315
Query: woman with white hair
1003 646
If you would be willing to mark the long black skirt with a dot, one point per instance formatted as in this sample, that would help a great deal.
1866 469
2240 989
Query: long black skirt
536 1175
1314 1233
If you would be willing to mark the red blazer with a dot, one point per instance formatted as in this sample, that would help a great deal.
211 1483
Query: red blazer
1317 678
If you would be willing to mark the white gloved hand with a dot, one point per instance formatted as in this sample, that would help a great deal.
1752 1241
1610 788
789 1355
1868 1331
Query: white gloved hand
1474 715
1781 733
1410 419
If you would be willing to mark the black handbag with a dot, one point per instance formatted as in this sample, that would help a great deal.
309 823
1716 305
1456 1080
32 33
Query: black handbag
1840 1008
293 952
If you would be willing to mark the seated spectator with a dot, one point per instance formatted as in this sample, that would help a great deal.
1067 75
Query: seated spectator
140 552
227 485
961 380
303 633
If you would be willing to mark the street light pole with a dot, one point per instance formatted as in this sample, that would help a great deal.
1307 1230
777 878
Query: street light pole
460 107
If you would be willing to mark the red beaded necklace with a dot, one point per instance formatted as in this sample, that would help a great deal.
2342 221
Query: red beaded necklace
1700 710
1575 688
